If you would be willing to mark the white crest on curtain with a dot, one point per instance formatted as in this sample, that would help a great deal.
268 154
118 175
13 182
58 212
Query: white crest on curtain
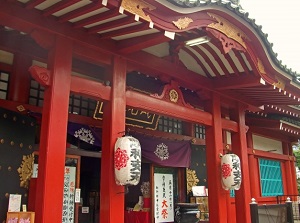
162 151
85 135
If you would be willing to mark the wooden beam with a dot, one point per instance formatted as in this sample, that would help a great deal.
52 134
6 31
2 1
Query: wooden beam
139 43
90 88
143 102
233 82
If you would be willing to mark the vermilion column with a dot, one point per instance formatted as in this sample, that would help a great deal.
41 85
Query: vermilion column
20 79
293 176
254 176
112 196
287 178
52 151
253 168
214 147
239 147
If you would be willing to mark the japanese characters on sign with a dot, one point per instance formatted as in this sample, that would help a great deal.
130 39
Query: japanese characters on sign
127 160
231 172
163 202
69 195
134 117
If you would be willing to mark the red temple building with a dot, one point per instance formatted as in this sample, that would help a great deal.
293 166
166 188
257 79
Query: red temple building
78 74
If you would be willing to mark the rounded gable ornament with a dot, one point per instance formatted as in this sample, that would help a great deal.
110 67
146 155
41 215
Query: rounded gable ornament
173 94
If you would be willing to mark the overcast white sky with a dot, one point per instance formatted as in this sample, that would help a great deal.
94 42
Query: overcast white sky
281 21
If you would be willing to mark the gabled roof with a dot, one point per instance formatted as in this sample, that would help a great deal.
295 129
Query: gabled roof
238 62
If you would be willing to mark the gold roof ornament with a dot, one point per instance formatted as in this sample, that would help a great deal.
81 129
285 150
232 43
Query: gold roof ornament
260 66
136 7
183 23
227 28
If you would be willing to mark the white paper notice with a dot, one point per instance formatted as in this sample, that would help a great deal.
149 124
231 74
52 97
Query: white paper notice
163 202
14 203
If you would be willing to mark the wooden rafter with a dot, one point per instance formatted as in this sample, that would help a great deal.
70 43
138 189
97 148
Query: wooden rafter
112 24
216 57
189 52
33 3
59 6
96 18
207 60
81 11
123 31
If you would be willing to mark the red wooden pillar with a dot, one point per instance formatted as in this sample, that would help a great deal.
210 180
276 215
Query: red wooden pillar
52 152
287 180
239 147
293 177
112 196
254 176
214 147
253 168
20 79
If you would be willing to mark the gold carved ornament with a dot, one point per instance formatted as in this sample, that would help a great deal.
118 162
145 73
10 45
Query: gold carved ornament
279 84
25 170
182 23
191 179
173 94
230 30
260 66
136 7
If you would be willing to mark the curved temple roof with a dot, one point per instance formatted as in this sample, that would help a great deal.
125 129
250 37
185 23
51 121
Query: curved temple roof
237 60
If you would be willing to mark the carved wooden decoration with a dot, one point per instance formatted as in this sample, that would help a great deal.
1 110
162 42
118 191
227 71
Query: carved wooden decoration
183 23
137 7
172 93
260 66
25 170
227 33
279 84
41 75
191 179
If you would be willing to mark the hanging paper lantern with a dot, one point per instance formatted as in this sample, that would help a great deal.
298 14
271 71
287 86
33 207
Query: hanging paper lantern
231 172
127 160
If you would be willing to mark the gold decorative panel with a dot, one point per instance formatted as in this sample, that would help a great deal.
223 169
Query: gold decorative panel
183 23
136 7
260 66
25 170
230 30
191 179
279 84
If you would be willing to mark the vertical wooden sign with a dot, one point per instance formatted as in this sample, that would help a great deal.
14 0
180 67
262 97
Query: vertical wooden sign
163 202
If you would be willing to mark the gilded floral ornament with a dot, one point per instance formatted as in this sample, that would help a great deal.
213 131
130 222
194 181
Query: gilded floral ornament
173 95
25 170
182 23
230 30
279 84
137 7
191 179
260 66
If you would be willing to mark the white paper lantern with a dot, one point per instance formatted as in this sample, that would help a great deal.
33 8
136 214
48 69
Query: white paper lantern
127 160
231 172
